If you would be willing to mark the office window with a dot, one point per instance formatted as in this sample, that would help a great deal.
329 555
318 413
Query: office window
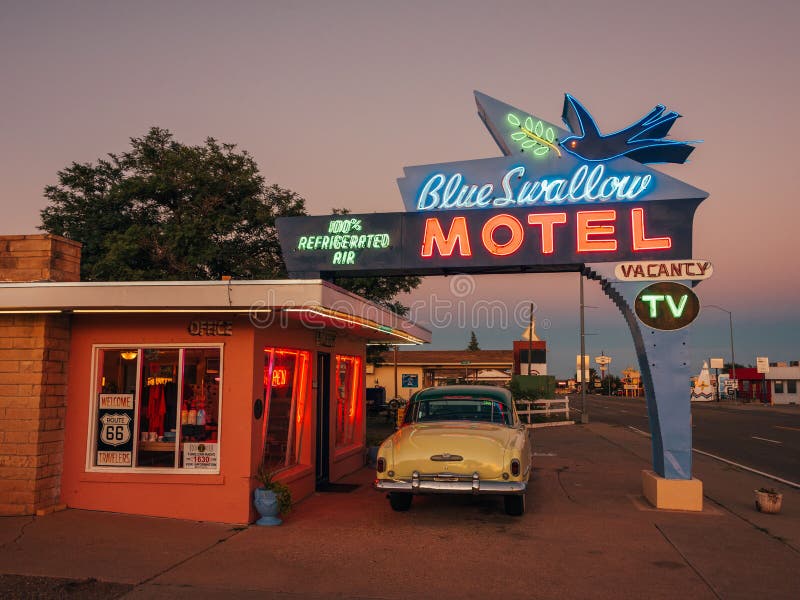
156 408
791 387
778 386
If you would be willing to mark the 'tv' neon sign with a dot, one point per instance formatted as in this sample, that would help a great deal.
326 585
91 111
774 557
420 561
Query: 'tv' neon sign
666 305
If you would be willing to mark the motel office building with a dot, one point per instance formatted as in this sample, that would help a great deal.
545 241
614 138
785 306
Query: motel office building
164 398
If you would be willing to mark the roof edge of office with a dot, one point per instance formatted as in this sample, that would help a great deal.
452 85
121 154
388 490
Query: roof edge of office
315 298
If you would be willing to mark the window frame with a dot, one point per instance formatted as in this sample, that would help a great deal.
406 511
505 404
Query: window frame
306 387
92 429
357 400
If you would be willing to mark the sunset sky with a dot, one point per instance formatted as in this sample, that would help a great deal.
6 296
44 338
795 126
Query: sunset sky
333 99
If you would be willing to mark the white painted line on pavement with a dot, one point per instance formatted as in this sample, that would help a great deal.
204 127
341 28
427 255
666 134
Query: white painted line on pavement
730 462
746 468
785 427
755 437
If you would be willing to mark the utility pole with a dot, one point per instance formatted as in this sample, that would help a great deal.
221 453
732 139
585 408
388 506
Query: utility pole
530 340
733 356
395 371
584 416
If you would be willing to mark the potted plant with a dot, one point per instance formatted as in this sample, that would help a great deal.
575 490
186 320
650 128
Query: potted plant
768 500
271 498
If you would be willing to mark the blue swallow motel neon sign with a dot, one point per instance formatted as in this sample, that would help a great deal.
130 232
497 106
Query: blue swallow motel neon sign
440 192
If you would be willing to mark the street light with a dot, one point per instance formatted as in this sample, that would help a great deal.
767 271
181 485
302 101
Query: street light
730 322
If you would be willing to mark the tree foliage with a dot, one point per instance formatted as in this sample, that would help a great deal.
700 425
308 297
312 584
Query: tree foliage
166 210
473 342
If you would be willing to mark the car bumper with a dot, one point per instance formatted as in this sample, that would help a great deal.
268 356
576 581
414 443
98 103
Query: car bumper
476 486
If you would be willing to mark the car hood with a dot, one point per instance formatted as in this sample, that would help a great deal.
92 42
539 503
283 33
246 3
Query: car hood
481 446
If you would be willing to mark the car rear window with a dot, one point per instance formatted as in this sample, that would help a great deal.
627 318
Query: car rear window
458 408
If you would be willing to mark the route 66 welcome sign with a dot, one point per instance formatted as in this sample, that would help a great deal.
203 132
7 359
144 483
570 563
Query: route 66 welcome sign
114 438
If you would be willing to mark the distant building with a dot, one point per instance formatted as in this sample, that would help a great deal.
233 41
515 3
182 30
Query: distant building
752 385
427 368
530 353
782 382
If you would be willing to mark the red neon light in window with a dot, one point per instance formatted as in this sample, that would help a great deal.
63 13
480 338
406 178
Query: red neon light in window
640 240
548 221
510 223
277 376
434 236
350 366
301 394
586 231
280 377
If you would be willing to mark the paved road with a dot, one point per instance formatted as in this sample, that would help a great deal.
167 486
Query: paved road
760 437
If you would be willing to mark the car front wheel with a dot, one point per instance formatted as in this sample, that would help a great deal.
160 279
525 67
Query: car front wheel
515 505
400 501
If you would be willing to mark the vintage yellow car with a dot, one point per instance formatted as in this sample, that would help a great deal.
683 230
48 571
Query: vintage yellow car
464 439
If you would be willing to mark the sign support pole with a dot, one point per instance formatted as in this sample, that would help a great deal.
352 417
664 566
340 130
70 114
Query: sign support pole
664 363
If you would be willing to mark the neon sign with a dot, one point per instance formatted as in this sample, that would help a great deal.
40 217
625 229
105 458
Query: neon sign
585 184
344 238
664 270
516 238
667 306
503 234
534 135
555 200
280 377
642 141
547 164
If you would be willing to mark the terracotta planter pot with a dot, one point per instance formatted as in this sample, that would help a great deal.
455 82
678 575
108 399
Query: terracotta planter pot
767 502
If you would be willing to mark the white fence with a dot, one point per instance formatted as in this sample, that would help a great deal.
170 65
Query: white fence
527 408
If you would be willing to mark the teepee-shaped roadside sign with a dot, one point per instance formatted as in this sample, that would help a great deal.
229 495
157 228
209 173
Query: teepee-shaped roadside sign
703 391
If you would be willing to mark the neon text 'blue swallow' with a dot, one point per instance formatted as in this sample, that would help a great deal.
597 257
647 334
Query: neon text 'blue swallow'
586 184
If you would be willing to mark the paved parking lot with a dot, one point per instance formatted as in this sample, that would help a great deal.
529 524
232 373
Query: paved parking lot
587 534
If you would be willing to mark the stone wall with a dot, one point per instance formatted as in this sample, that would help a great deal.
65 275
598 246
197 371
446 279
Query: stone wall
34 350
40 257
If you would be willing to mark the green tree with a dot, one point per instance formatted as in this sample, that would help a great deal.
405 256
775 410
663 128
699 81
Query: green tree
473 342
166 210
610 384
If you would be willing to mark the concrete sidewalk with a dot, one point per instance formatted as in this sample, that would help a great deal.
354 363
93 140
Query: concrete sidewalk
587 534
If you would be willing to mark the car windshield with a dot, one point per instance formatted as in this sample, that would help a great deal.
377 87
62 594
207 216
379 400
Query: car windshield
458 408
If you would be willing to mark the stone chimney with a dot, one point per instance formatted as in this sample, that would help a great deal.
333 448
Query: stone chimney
34 349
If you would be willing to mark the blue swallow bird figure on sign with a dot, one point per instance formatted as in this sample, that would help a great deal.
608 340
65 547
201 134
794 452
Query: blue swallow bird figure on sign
643 141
